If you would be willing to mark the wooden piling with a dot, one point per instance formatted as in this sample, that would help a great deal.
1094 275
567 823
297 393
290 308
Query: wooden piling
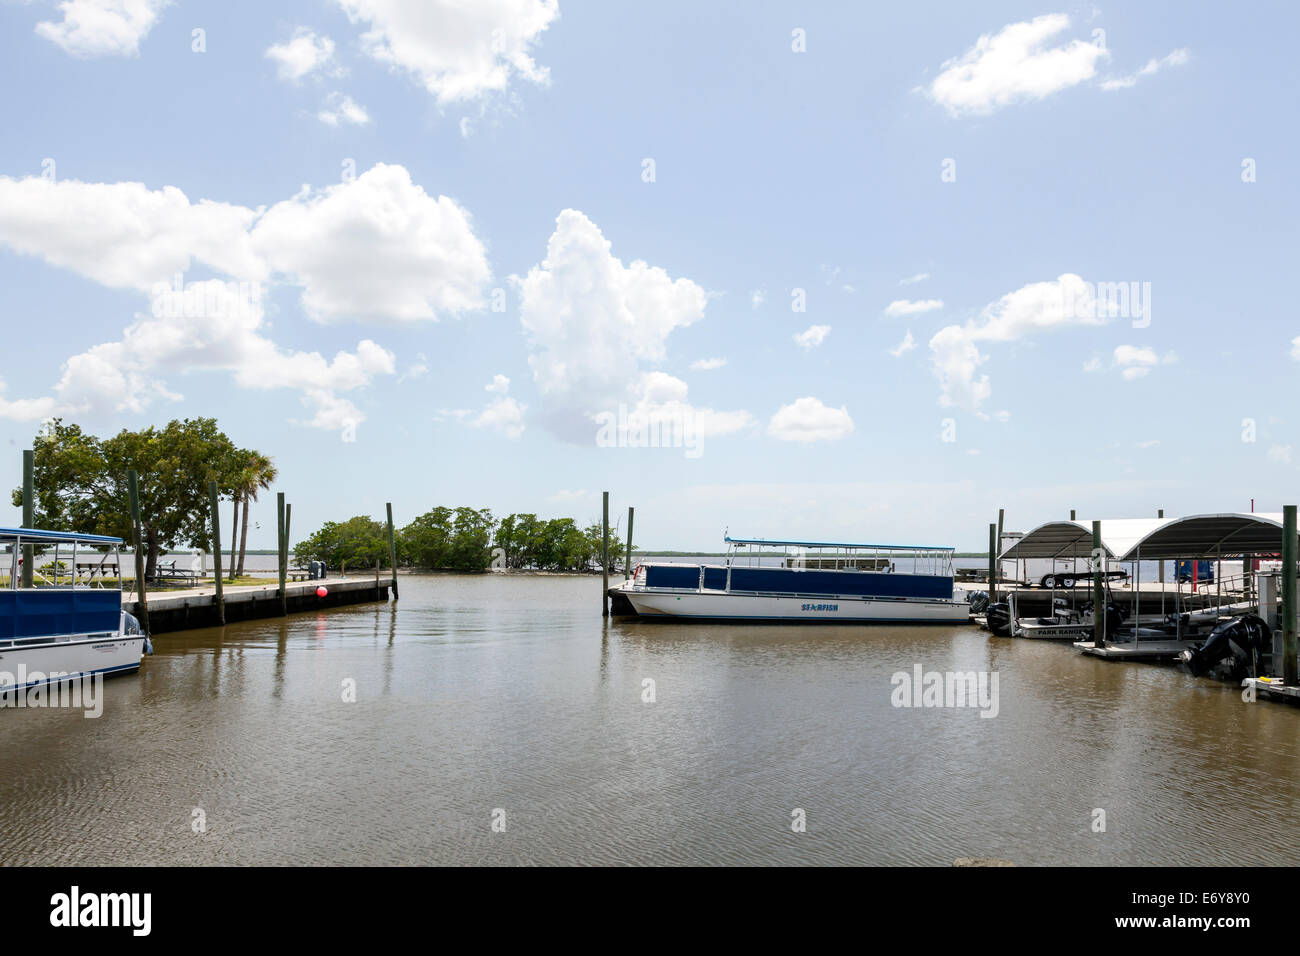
1098 594
392 548
1161 514
1072 514
214 498
133 498
604 555
993 564
627 568
283 561
29 511
1289 666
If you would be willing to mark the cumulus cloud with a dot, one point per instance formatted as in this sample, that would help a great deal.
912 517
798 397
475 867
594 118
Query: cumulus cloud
1014 65
909 307
904 346
503 413
213 326
378 247
457 51
1176 58
339 109
812 337
1136 361
1037 307
807 419
596 327
302 54
91 28
707 365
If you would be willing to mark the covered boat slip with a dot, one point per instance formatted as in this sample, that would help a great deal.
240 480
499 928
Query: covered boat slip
58 602
1162 619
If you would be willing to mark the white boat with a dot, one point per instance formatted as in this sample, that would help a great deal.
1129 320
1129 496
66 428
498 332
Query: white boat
70 624
805 581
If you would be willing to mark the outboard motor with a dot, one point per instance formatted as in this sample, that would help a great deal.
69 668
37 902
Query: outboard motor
998 617
979 602
1114 617
1244 639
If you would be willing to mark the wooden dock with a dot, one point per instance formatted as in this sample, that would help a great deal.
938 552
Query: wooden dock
197 607
1273 687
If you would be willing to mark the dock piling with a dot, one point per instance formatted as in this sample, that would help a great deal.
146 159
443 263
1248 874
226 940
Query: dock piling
1289 665
604 556
29 511
392 547
133 498
214 498
627 567
283 560
1098 594
993 564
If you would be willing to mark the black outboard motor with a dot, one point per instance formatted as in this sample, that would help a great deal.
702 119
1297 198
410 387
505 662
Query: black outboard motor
998 617
979 602
1114 617
1244 639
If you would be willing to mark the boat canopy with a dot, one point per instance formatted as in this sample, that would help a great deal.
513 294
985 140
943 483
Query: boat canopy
1126 539
37 536
773 542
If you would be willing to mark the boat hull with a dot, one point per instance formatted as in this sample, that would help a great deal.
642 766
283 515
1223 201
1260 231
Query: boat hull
724 606
82 655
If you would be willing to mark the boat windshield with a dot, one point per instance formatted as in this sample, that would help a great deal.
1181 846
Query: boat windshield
839 556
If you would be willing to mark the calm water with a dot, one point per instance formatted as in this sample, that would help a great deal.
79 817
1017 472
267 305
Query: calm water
477 693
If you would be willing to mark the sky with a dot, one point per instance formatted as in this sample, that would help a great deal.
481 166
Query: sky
815 271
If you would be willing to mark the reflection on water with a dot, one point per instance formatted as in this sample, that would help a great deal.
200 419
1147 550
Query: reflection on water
475 693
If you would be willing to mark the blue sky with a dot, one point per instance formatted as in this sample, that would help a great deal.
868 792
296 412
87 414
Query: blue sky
424 201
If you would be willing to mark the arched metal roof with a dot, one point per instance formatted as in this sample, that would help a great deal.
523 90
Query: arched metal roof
1227 534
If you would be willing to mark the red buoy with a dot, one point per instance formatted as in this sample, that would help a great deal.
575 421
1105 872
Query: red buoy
322 591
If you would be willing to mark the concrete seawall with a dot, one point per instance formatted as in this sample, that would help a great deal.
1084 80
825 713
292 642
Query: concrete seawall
181 610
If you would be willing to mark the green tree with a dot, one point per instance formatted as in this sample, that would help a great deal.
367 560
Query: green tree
81 482
256 474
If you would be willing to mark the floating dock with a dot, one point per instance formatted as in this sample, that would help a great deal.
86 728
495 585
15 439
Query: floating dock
1140 651
197 607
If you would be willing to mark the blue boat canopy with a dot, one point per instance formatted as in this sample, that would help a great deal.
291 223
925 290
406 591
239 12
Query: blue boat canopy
37 536
835 544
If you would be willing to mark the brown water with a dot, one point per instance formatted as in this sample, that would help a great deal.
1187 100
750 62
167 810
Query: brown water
477 693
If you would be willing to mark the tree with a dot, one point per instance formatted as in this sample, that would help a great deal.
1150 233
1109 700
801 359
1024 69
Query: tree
257 474
81 482
359 540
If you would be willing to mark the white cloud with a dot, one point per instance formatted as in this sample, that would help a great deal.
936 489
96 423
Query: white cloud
910 280
807 419
1149 443
1280 454
811 337
904 346
1176 58
302 54
225 332
707 365
505 415
596 327
908 307
1039 306
375 247
1135 361
378 247
499 384
102 27
339 108
457 51
1015 65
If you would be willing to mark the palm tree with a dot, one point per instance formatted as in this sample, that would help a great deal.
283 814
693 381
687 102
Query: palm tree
257 475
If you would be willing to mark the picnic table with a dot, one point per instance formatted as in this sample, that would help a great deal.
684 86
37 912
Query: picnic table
168 573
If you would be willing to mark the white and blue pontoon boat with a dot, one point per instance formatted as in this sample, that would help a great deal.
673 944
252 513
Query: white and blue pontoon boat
805 581
70 623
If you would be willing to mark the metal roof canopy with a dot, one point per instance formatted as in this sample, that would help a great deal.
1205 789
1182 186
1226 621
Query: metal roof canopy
37 536
1073 539
1123 539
